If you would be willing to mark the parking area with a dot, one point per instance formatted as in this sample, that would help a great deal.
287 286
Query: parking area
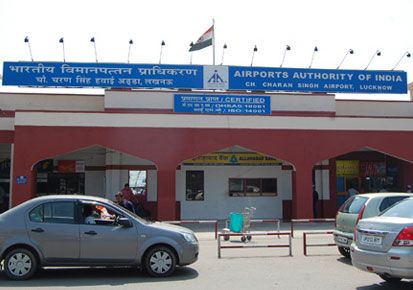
250 268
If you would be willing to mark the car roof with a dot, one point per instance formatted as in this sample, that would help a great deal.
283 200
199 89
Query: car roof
69 197
384 194
37 200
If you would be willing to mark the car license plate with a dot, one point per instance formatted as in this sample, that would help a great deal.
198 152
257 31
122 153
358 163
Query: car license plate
371 240
343 240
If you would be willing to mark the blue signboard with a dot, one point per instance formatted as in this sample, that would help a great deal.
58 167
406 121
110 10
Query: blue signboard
58 74
222 104
121 75
317 80
21 179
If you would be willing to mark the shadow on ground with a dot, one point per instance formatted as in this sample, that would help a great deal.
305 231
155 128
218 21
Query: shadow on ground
93 277
403 285
345 261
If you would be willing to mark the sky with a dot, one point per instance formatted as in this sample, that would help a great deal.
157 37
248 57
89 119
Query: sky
334 26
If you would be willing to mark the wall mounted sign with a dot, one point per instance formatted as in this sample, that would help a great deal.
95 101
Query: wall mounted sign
350 168
106 75
222 104
122 75
233 159
71 166
317 80
21 179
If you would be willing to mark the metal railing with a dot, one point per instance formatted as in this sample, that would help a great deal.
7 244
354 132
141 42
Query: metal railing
305 245
317 220
247 245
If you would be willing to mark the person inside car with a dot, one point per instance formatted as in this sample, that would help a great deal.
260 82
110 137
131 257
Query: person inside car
104 214
88 214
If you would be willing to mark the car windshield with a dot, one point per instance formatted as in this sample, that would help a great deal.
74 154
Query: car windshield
401 209
353 205
114 204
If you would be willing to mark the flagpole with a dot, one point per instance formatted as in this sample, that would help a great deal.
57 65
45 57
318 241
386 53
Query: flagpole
213 41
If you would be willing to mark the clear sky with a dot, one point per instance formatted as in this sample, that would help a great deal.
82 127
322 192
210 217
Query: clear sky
334 26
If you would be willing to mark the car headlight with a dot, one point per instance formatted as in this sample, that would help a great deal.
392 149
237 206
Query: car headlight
190 238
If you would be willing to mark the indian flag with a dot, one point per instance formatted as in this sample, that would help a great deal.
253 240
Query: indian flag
204 41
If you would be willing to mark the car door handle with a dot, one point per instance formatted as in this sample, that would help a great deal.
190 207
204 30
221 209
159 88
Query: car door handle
38 230
92 233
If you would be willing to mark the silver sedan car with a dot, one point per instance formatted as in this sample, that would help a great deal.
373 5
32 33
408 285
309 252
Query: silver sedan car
384 245
88 231
359 207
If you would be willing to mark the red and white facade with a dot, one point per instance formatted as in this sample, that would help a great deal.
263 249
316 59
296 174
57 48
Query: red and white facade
123 130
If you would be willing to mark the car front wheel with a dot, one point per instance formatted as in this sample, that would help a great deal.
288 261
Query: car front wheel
345 252
160 261
20 264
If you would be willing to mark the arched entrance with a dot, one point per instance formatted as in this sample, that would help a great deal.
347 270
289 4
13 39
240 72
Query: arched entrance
361 171
212 185
97 171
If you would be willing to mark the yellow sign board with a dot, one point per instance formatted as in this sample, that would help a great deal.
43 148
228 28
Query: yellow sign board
233 158
347 167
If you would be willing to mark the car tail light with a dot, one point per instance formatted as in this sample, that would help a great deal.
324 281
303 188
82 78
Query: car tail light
355 233
360 216
404 238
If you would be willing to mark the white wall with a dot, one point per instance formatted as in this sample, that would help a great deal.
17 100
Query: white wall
95 183
374 108
54 102
152 185
218 204
138 100
322 183
115 179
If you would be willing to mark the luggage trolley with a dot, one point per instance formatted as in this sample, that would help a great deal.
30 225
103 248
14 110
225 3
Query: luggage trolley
239 222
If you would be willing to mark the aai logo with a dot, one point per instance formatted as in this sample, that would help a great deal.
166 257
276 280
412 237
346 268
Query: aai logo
216 77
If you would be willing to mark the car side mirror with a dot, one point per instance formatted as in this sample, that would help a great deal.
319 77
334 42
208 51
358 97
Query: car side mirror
125 222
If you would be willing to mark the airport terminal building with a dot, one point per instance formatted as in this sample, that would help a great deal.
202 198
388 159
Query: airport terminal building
258 137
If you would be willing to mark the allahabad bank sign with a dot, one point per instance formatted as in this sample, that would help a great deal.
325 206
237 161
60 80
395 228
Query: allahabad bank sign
207 77
234 159
349 168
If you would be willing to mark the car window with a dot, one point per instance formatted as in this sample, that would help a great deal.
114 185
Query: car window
36 214
389 201
402 209
54 212
98 214
354 204
121 209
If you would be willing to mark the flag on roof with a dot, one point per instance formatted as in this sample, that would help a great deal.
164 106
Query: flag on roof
204 41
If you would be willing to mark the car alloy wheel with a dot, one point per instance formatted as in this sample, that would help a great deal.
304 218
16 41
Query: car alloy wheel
20 264
160 262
